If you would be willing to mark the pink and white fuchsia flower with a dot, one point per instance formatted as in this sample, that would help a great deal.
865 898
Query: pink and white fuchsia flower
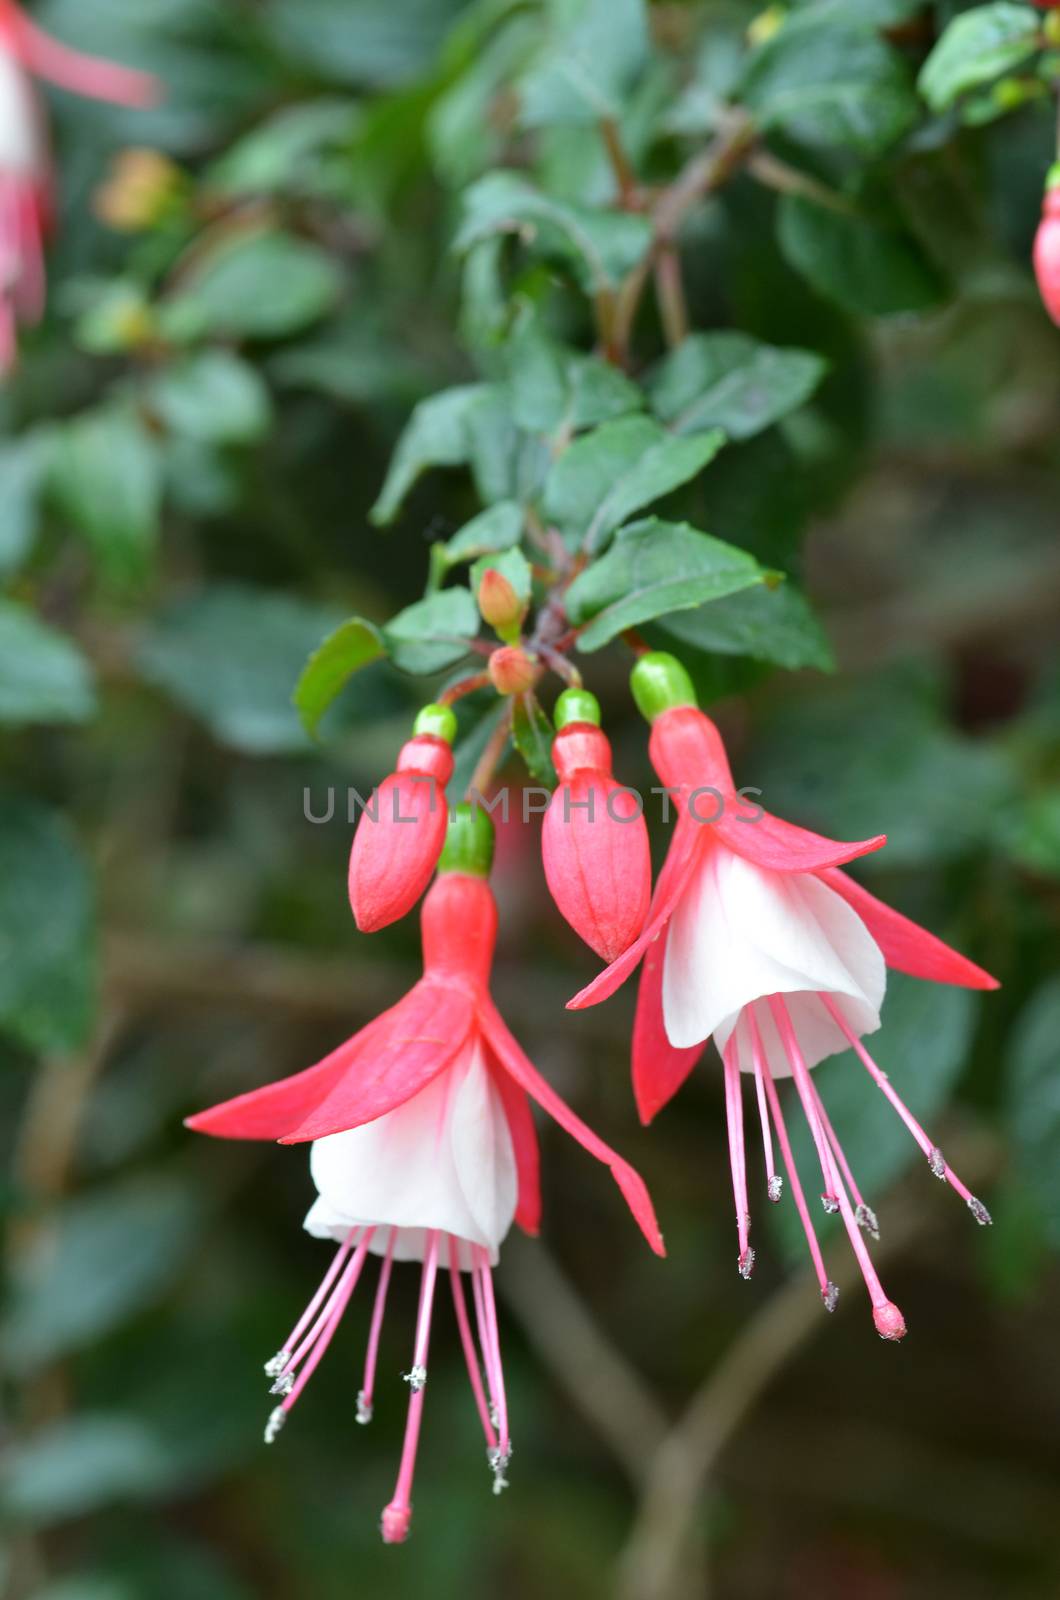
424 1149
25 163
758 940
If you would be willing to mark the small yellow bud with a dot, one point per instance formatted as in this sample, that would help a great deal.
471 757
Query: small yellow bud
141 187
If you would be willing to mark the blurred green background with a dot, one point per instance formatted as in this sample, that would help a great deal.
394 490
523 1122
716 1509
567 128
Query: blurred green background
192 443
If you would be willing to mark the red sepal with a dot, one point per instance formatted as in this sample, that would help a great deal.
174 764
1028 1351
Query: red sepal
525 1146
400 835
659 1067
905 945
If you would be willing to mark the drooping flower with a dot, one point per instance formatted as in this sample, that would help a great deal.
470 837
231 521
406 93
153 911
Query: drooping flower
756 938
25 164
424 1149
594 840
1047 246
401 832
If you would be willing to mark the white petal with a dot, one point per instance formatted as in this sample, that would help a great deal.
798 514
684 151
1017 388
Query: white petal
442 1160
21 143
741 932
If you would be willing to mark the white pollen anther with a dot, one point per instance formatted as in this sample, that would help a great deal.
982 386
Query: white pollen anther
979 1212
746 1263
830 1203
775 1187
498 1460
937 1162
865 1218
416 1378
364 1408
830 1295
277 1418
284 1383
275 1364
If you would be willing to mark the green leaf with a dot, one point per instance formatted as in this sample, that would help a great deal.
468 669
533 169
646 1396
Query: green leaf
23 463
105 474
230 656
605 244
775 625
284 152
353 645
589 64
262 287
553 388
360 42
81 1464
47 930
43 677
977 46
1033 1102
466 424
434 633
922 1046
863 264
731 381
212 397
104 1257
622 466
654 568
827 79
497 528
533 734
511 564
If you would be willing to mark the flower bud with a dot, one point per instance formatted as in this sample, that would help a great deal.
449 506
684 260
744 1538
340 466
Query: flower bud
402 831
141 187
501 608
511 670
1047 248
594 841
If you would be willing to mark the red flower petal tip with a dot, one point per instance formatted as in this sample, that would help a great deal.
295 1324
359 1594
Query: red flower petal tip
400 835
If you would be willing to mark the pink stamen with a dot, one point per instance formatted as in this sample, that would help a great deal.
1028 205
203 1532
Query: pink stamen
937 1162
737 1160
889 1321
398 1514
467 1340
829 1291
774 1183
310 1311
491 1349
337 1295
337 1305
829 1199
371 1357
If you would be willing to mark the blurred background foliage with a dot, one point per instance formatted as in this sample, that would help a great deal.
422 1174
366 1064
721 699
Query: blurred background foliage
193 443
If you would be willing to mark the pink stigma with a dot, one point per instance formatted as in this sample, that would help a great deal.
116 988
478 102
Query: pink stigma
394 1523
890 1324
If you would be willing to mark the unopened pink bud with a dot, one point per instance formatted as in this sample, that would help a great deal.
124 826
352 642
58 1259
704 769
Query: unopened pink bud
890 1324
501 608
400 836
511 670
1047 253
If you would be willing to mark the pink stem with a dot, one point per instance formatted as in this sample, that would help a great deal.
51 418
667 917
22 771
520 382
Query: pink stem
824 1155
737 1159
364 1397
492 1346
339 1301
467 1339
398 1514
773 1185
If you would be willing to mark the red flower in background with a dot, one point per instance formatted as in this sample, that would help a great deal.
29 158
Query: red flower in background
25 162
1047 248
424 1149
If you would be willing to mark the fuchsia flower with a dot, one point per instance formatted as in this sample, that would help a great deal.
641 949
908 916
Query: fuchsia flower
1047 247
25 163
757 938
594 840
401 833
424 1149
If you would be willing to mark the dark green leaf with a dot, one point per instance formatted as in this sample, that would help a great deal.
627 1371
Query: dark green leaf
863 264
619 468
360 41
731 381
434 633
533 734
498 528
43 677
81 1463
654 568
978 45
775 625
283 152
47 930
106 476
1033 1096
262 287
212 397
588 65
352 646
553 388
605 243
231 655
23 464
438 434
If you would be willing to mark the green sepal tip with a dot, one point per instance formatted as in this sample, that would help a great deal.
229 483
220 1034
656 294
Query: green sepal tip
468 841
659 682
576 705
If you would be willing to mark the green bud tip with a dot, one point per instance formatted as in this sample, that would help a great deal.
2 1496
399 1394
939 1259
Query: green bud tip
1052 177
437 720
659 682
468 841
576 705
